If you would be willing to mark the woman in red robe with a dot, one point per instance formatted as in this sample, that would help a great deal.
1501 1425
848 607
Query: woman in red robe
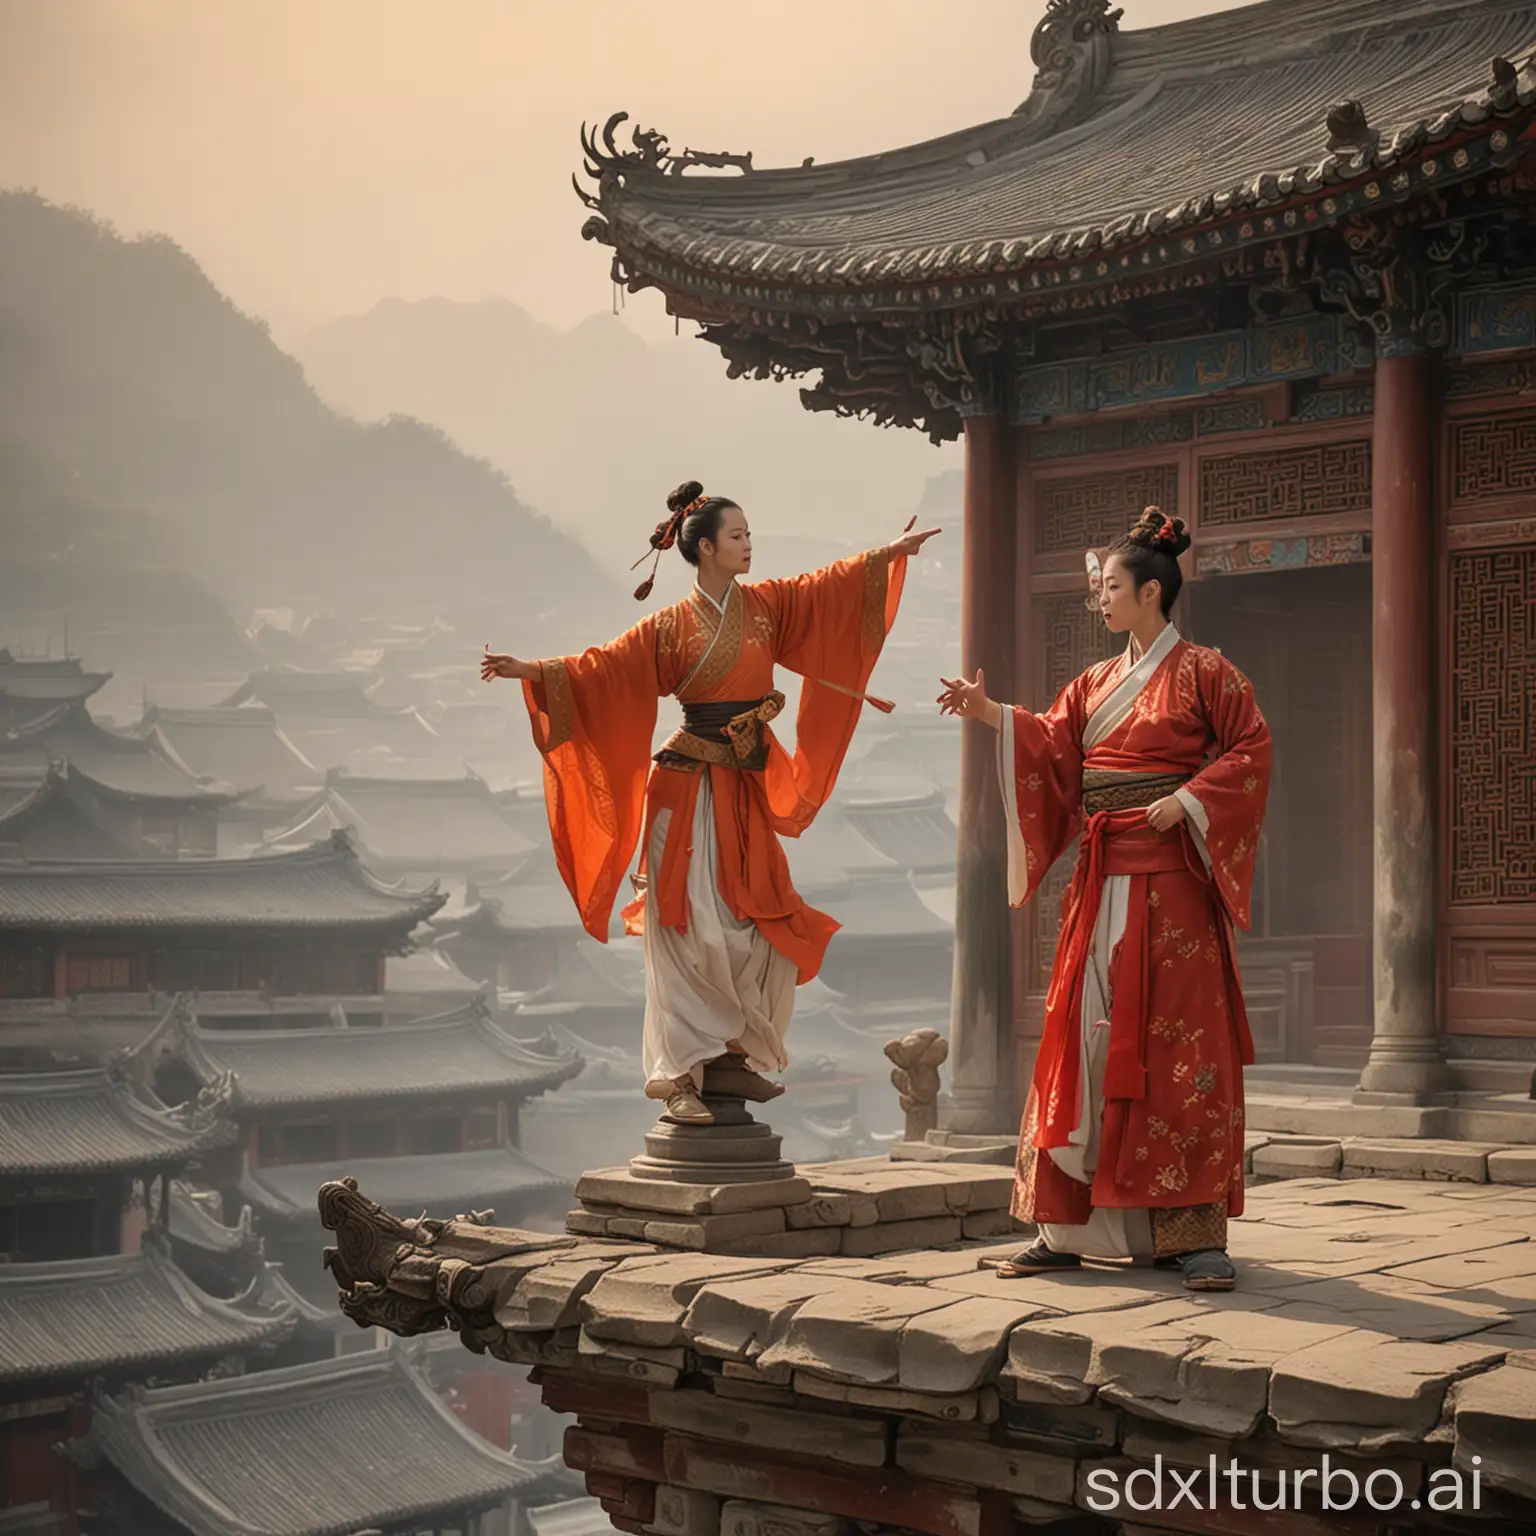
727 938
1158 761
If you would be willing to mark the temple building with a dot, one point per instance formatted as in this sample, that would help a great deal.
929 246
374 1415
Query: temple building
428 1110
90 1291
361 1443
48 814
33 686
908 822
241 745
1271 269
135 790
412 827
891 946
289 935
334 720
517 933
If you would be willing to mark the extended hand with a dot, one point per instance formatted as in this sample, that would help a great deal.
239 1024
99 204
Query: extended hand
910 543
493 665
969 700
1165 813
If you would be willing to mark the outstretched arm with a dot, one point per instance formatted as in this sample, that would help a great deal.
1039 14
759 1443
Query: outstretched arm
969 700
496 664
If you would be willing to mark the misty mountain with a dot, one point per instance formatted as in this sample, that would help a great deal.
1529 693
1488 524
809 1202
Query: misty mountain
166 429
595 425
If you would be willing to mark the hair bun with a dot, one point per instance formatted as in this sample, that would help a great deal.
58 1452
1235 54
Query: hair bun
689 490
1156 530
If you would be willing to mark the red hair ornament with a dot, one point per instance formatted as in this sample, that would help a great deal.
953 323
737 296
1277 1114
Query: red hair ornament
662 539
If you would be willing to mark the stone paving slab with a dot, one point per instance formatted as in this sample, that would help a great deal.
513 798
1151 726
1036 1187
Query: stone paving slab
1374 1317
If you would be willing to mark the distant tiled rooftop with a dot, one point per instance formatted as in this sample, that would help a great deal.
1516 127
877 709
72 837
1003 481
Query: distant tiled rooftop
97 1121
311 1450
464 1052
82 1317
325 886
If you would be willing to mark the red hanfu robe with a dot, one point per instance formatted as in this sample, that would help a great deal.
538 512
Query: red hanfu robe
594 718
1180 719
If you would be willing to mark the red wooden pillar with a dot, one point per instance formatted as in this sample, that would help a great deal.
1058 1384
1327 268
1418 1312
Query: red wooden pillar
1407 1059
981 998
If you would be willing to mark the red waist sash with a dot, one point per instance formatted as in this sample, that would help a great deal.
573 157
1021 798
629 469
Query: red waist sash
1113 843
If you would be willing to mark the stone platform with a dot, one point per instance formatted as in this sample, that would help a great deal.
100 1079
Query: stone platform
855 1208
1387 1324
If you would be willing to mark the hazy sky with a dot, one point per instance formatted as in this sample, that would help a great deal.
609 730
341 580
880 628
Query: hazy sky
319 155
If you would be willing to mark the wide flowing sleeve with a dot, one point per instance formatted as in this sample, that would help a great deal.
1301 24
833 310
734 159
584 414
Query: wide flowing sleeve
1232 790
594 717
1040 777
829 626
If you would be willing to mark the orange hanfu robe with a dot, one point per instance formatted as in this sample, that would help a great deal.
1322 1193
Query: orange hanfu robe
727 938
1132 1143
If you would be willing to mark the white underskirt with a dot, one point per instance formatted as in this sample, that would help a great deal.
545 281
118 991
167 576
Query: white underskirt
1109 1232
718 982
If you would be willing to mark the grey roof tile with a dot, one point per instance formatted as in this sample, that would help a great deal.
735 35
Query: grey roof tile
312 1450
1221 113
81 1317
97 1120
445 1184
460 1053
325 886
133 767
426 823
241 745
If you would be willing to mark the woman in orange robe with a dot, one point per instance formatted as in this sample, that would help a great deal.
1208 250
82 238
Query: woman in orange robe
1132 1143
727 938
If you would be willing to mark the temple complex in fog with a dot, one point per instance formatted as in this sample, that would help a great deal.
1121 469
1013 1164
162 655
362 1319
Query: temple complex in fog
296 1009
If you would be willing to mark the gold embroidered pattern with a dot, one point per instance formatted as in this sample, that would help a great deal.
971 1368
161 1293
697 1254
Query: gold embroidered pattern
1132 792
877 574
558 704
1022 1206
725 644
1188 1229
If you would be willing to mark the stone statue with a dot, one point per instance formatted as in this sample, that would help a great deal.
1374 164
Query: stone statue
917 1058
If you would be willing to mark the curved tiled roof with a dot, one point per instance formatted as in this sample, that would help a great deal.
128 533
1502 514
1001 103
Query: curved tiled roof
1223 115
80 1317
40 815
311 1450
97 1121
442 1184
34 678
241 744
428 823
141 767
325 886
463 1052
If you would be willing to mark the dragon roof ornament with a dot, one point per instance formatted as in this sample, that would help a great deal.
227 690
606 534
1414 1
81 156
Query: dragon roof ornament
1071 49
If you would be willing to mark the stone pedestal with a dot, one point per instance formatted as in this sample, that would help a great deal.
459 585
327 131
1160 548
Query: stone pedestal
736 1149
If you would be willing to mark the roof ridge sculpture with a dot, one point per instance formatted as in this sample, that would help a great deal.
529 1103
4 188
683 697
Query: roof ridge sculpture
1072 50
